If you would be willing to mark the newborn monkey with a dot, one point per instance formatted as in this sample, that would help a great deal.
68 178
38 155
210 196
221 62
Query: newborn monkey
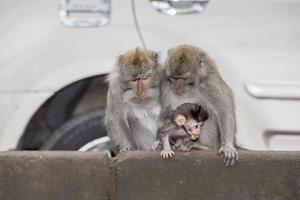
180 125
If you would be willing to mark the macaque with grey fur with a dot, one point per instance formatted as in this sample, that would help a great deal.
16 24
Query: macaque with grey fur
183 124
133 100
191 76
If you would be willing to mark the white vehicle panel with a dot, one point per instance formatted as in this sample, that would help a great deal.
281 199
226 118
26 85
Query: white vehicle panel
35 46
39 56
252 42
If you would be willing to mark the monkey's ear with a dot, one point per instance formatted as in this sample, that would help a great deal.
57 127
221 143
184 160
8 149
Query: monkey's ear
201 60
120 59
180 120
155 56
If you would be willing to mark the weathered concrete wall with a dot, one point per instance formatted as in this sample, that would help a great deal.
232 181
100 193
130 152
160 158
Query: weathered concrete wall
144 175
202 175
53 176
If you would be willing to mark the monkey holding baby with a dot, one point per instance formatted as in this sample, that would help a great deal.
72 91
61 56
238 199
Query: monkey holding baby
180 125
191 76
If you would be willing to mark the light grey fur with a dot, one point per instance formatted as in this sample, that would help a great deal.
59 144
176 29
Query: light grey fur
131 123
211 92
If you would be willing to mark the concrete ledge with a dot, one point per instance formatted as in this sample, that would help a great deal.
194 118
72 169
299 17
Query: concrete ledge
145 175
202 175
53 175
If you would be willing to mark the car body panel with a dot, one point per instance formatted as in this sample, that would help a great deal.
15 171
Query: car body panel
253 42
40 56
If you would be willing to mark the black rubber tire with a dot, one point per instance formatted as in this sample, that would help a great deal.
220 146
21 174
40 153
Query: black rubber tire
77 131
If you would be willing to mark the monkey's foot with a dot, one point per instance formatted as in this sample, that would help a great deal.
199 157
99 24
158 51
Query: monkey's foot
186 146
198 146
230 155
167 153
155 145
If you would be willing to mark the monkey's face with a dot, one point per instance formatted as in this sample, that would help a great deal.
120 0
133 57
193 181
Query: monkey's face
139 71
191 125
141 86
181 84
186 65
193 128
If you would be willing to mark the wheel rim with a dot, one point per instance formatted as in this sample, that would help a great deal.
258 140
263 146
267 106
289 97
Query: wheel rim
99 144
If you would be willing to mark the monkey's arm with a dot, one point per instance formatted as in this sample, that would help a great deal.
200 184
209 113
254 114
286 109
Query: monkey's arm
115 122
222 100
167 151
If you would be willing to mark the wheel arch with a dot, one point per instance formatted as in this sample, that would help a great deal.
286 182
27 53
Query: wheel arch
16 131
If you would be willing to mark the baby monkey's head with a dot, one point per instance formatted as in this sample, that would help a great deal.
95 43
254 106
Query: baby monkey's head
190 117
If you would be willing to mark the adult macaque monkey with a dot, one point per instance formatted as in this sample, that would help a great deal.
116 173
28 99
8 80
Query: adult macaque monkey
191 76
133 100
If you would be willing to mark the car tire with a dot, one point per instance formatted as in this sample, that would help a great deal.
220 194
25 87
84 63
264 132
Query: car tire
77 131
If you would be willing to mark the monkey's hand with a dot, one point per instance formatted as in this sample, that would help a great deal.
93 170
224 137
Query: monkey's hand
155 145
230 154
167 153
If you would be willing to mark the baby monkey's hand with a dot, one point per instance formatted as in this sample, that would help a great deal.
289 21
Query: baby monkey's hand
167 153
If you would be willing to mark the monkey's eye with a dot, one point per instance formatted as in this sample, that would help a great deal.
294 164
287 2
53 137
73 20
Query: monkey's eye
197 126
189 130
190 84
145 78
201 61
136 79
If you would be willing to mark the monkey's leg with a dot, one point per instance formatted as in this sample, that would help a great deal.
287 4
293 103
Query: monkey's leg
178 143
224 105
186 145
198 146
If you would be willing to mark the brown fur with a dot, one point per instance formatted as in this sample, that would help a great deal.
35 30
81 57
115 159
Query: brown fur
183 58
138 60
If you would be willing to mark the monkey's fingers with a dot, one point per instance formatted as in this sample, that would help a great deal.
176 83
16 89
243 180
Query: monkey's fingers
231 158
235 158
220 151
167 154
171 154
226 157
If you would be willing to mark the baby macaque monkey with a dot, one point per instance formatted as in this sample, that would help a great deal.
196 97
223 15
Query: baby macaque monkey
181 125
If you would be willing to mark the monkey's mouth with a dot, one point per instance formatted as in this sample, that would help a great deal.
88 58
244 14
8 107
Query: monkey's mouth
195 136
179 92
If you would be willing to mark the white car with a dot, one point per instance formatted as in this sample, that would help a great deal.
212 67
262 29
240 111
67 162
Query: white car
54 56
